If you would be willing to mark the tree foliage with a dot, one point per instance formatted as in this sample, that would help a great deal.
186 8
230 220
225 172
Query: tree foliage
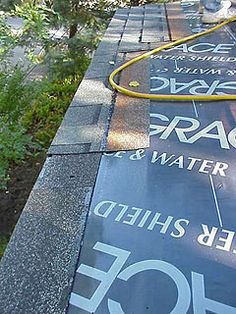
83 14
7 5
8 39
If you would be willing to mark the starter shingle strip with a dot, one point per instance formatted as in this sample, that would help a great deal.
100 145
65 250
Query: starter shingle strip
155 27
112 36
132 30
127 46
147 24
85 124
178 24
92 92
129 127
82 128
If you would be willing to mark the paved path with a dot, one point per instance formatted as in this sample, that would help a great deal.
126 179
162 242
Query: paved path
19 53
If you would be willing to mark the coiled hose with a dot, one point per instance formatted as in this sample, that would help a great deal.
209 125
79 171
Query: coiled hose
132 93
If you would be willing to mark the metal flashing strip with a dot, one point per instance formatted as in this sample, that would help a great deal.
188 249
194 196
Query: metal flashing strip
129 126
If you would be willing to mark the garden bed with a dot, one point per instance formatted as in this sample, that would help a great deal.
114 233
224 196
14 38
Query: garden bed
13 199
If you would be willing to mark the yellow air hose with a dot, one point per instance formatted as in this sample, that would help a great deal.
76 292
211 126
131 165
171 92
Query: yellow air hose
164 96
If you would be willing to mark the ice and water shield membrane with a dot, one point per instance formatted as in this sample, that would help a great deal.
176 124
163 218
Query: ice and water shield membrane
160 236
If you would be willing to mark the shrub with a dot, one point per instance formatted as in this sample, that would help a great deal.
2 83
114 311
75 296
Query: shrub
45 114
14 146
15 99
15 94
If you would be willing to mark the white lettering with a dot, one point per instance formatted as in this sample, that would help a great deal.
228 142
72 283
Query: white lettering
162 157
201 304
180 131
179 228
106 278
205 165
108 209
165 224
134 216
220 135
227 241
207 237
